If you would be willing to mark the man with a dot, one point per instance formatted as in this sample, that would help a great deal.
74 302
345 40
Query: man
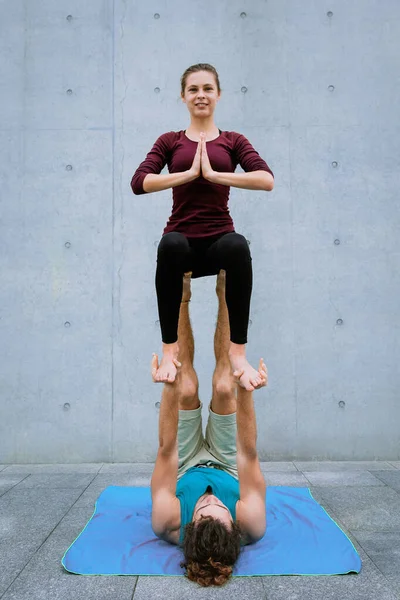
208 495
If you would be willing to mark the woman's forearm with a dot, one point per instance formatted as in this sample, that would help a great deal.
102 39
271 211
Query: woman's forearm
246 423
156 183
253 180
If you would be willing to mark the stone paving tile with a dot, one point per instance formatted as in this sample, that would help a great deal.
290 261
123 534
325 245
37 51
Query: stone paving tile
365 508
390 478
180 588
316 493
139 478
57 480
353 478
27 518
278 466
395 463
383 548
14 555
126 468
89 497
369 584
9 481
140 470
101 482
343 465
54 468
44 577
289 478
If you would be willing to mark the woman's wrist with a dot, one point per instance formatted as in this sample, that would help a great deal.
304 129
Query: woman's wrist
191 175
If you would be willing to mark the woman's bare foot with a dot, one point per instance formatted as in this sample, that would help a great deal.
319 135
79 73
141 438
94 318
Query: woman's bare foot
166 371
249 379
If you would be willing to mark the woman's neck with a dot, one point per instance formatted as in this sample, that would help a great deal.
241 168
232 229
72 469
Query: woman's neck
208 126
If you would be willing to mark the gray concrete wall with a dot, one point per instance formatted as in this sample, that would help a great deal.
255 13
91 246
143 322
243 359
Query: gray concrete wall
78 318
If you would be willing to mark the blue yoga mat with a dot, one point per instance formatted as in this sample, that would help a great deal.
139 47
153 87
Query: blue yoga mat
301 539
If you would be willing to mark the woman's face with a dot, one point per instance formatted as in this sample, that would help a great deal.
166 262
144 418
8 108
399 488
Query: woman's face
201 94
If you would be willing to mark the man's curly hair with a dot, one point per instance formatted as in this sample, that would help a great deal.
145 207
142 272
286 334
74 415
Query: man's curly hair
211 550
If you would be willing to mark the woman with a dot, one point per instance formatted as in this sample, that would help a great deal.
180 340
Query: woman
200 236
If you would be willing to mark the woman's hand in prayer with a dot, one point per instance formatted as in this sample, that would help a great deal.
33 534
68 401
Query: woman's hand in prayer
195 169
206 168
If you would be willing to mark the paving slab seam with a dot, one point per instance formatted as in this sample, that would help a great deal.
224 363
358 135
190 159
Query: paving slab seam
380 530
364 487
13 486
393 589
338 521
36 471
44 541
264 586
134 587
332 513
387 485
343 527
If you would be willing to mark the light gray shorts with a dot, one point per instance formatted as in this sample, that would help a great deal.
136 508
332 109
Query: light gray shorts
217 449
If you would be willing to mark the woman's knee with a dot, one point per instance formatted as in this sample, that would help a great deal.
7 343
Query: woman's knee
235 246
174 243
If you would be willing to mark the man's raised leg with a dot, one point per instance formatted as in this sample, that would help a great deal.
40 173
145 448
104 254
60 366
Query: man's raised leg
222 432
187 385
190 430
224 387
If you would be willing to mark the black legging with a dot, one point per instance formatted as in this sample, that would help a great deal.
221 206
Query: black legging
178 254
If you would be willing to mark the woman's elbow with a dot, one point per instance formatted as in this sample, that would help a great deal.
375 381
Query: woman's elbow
137 185
269 184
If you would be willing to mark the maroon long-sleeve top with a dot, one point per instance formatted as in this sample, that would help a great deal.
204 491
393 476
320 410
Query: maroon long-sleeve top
200 207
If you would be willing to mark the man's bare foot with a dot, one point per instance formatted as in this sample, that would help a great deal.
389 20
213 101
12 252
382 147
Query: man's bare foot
247 376
166 371
186 292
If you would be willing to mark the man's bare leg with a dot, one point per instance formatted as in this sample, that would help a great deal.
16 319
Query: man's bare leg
224 387
186 380
186 383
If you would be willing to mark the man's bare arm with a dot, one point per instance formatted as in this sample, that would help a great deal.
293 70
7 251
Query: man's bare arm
165 504
251 511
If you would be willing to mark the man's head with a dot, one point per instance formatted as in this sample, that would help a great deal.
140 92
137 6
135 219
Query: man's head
211 543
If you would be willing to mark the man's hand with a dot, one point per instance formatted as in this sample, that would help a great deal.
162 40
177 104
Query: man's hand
155 366
262 369
206 168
